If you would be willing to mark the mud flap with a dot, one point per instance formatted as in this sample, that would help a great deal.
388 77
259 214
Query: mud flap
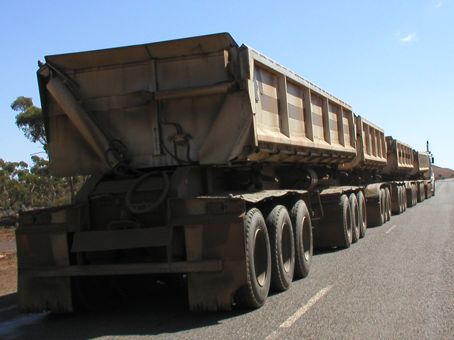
215 291
37 294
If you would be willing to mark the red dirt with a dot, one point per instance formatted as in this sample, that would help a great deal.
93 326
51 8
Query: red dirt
8 265
7 234
443 172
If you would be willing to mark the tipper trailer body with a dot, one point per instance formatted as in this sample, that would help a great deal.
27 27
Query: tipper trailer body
206 159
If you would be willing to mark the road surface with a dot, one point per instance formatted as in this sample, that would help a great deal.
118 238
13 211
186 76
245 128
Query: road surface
397 283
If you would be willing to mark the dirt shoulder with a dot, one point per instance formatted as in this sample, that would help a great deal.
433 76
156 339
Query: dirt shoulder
8 264
7 234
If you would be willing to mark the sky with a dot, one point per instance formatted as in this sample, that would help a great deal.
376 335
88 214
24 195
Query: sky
393 61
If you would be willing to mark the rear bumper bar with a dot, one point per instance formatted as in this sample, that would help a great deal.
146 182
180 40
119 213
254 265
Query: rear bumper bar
126 269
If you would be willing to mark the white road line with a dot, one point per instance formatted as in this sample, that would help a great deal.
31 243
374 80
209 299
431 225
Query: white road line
300 312
390 229
6 309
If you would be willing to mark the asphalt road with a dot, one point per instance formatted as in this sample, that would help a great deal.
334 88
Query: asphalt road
397 283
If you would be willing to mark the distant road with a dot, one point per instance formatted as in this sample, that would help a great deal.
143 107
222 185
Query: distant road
397 283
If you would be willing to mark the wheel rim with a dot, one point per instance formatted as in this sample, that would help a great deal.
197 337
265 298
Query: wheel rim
306 242
286 246
260 257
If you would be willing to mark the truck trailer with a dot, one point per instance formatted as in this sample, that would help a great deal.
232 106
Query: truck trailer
208 160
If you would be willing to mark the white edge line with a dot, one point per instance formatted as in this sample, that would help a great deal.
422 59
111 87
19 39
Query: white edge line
302 310
390 229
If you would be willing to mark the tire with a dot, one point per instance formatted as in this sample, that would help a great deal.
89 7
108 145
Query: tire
383 205
421 192
400 199
355 217
258 262
404 197
303 239
375 213
282 246
387 204
410 197
362 214
346 219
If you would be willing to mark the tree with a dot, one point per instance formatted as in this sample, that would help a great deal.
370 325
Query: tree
42 188
30 120
13 190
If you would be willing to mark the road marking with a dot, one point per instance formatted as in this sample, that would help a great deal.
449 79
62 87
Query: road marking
300 312
6 309
390 229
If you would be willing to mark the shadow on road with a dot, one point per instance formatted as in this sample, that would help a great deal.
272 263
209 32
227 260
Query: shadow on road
8 300
163 310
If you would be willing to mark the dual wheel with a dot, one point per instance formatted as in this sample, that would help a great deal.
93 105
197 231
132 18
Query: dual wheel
401 199
412 195
421 192
278 249
353 218
382 212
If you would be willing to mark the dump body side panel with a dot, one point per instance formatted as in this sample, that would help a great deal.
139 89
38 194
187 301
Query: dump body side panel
370 146
422 159
294 120
400 157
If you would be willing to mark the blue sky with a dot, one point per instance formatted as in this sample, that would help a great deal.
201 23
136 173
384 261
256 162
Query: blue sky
393 61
